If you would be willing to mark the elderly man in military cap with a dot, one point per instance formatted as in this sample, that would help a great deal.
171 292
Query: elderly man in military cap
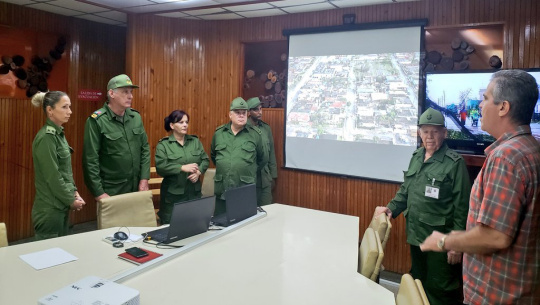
265 177
237 151
116 154
434 196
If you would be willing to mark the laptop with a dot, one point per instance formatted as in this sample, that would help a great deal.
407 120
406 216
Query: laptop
240 202
188 218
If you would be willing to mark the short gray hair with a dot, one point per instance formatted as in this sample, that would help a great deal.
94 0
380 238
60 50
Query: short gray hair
520 89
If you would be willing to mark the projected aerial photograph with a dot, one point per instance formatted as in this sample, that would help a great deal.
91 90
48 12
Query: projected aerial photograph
359 98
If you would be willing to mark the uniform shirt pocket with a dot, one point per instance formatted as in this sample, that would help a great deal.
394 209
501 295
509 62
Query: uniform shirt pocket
249 152
113 143
176 189
220 151
137 134
218 184
138 131
64 161
174 157
64 153
431 220
442 182
247 179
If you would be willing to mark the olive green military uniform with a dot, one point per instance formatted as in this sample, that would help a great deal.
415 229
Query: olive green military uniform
237 157
116 154
434 196
269 172
170 156
55 187
266 175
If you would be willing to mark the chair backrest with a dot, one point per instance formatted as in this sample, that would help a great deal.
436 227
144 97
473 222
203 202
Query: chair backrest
382 225
368 253
3 235
380 257
127 210
207 188
422 291
408 293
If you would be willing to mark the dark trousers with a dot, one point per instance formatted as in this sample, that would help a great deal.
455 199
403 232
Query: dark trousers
442 282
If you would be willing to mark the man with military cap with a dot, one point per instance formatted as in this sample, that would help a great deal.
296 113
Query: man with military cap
116 154
434 196
237 151
265 177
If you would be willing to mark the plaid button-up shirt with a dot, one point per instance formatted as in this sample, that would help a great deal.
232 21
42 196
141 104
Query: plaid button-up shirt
506 197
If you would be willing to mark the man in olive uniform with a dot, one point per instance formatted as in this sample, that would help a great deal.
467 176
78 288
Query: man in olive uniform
237 151
434 196
116 154
265 177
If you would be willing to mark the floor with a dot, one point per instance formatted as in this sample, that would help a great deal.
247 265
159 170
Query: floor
389 280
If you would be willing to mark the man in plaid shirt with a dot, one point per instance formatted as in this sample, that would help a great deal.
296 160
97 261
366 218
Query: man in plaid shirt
501 264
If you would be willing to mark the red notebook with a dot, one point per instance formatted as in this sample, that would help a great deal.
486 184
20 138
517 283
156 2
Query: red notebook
137 261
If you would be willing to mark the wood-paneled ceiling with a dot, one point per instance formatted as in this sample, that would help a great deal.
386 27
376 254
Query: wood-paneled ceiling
115 11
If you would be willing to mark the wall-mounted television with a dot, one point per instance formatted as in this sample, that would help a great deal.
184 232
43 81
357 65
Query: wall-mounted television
458 95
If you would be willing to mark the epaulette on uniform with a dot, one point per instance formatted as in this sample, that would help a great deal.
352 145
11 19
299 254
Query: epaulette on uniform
164 138
256 128
417 151
453 155
133 110
263 122
220 127
97 113
50 129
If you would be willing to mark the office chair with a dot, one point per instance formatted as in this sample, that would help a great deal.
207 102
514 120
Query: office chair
127 210
207 188
422 291
409 292
378 265
382 225
3 235
368 254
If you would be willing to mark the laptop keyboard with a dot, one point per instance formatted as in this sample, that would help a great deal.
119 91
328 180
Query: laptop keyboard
220 220
159 235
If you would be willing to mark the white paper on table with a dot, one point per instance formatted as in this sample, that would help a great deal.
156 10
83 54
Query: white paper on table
47 258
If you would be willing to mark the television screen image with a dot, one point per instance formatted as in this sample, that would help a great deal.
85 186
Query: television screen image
458 95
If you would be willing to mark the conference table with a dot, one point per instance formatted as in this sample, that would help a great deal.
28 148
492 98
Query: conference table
288 255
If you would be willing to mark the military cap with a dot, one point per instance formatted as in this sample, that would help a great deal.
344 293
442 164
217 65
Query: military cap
253 102
431 117
120 81
239 104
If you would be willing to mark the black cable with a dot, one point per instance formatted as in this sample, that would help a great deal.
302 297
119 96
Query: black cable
160 245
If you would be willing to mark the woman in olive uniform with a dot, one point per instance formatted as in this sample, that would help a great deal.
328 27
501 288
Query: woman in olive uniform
56 193
180 160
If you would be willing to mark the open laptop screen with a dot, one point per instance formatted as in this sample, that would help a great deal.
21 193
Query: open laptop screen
188 218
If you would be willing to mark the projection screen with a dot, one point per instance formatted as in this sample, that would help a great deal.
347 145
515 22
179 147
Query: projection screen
352 101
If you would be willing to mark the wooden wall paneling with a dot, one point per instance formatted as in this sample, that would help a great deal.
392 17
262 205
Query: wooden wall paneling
96 53
218 44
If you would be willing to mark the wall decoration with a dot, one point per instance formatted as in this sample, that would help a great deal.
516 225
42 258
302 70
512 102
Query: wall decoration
27 61
463 47
265 72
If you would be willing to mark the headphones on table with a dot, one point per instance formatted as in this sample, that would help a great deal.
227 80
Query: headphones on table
121 236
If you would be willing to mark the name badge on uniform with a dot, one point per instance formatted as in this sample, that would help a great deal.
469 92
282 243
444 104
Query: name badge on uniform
432 191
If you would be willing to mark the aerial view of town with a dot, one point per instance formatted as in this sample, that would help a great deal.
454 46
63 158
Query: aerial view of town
369 98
